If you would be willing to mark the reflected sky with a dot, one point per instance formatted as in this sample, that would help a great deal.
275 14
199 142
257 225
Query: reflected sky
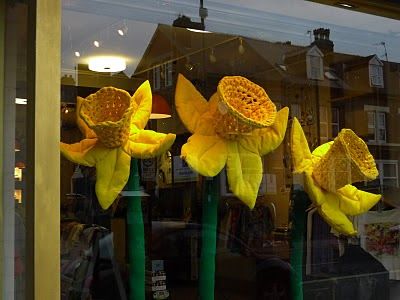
270 20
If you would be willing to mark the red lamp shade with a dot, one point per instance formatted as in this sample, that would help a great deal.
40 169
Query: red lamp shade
160 108
20 165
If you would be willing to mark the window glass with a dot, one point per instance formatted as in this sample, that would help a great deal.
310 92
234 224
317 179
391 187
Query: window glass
283 218
15 148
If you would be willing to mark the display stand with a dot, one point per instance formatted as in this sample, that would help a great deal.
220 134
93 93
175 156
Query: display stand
136 247
209 231
300 202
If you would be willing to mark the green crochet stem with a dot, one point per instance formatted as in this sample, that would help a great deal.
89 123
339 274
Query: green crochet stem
208 245
300 202
135 237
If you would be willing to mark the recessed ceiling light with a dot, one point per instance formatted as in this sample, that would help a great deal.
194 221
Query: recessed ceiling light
120 32
96 44
110 64
21 101
77 54
347 5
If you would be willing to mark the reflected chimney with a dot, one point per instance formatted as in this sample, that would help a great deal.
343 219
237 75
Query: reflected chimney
322 41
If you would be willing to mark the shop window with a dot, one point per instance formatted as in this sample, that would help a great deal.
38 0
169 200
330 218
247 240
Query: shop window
315 64
376 72
307 76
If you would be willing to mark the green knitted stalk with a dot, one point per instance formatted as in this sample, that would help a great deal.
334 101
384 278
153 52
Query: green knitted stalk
135 237
208 248
300 202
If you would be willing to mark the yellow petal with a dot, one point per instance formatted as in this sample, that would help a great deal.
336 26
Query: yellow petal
354 201
205 154
322 149
87 152
301 155
143 99
147 144
335 218
316 194
244 171
86 131
112 173
329 207
268 139
206 123
189 103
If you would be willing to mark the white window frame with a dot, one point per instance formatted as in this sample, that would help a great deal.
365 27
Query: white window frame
335 123
315 64
382 177
379 114
377 125
375 68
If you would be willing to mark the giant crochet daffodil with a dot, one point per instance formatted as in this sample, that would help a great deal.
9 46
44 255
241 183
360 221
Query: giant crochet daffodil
112 122
236 127
328 173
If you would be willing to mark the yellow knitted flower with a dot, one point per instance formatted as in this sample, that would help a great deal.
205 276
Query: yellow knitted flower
328 173
235 128
112 123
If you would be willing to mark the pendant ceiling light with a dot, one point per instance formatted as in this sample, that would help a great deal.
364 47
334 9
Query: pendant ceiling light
109 64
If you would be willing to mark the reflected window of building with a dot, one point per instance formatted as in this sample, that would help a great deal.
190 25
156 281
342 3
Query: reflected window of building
376 123
168 70
388 174
335 121
376 72
315 64
156 78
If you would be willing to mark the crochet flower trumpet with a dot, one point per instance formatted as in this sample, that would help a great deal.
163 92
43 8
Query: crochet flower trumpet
112 123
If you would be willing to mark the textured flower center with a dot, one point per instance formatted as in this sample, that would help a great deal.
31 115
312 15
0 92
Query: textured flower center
229 126
108 112
347 161
247 101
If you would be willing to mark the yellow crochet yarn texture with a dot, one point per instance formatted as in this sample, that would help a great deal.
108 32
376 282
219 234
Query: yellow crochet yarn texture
112 123
247 101
348 160
108 112
224 135
328 172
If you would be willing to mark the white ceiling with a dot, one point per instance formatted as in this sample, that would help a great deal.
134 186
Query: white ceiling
80 30
271 20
